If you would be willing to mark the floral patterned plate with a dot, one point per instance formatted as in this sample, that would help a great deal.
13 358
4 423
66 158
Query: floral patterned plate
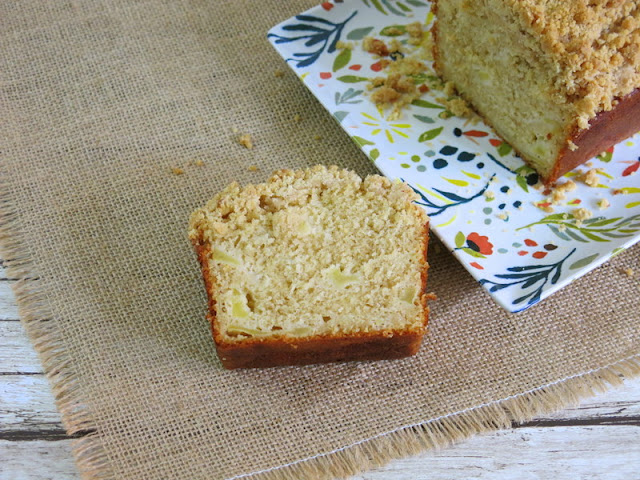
479 195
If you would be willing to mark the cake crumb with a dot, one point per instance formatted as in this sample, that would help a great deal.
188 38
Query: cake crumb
489 195
562 227
317 137
198 163
459 107
340 45
375 46
581 214
252 168
557 196
629 272
415 30
559 192
603 204
590 177
545 207
245 140
297 118
177 171
568 186
394 31
449 89
278 73
572 146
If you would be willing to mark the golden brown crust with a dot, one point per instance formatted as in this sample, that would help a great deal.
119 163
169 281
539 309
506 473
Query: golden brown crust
605 130
203 251
285 350
258 353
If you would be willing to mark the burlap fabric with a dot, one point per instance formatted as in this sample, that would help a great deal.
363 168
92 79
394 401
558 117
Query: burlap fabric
99 101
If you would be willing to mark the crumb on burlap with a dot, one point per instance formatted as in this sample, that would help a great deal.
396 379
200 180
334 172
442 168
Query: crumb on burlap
177 171
252 168
317 137
603 203
297 118
198 163
245 140
629 272
278 73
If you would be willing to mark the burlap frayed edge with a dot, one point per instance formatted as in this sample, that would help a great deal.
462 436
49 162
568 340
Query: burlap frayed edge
44 334
442 431
93 462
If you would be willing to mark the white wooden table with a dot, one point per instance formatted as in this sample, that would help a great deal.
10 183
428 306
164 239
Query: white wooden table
598 440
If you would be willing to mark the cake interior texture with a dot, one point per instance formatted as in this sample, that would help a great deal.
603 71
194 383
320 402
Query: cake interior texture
316 253
540 71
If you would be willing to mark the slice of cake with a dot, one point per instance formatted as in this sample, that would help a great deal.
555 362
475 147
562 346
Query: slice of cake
557 79
313 266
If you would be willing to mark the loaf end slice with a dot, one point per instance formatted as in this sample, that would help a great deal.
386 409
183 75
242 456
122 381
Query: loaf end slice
314 266
558 80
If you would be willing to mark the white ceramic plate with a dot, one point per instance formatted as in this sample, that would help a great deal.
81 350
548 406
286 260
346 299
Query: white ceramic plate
478 194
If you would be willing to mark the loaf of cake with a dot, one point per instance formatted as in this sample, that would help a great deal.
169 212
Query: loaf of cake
556 79
313 266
